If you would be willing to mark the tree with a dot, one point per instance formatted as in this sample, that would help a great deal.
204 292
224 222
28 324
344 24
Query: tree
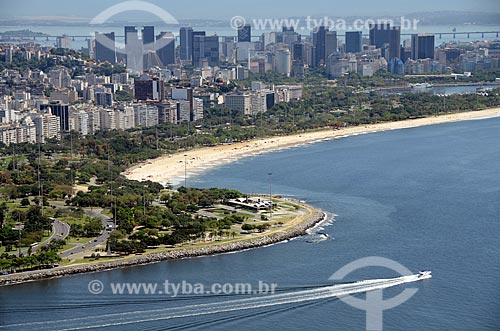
3 210
25 202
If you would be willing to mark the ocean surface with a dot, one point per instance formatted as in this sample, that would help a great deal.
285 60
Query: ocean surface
428 198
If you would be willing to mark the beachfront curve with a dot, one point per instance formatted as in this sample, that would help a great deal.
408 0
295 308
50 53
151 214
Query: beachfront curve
171 168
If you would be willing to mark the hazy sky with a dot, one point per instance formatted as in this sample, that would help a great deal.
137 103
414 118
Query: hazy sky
216 9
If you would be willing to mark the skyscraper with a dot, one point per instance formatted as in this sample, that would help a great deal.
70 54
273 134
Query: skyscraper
245 33
353 41
205 48
148 37
325 44
105 47
382 35
422 46
283 63
319 44
186 43
395 42
298 52
331 43
130 30
195 42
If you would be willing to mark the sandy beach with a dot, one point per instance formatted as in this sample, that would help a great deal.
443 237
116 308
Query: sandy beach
171 168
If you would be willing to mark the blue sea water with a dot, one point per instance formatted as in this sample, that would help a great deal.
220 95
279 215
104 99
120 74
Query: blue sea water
428 198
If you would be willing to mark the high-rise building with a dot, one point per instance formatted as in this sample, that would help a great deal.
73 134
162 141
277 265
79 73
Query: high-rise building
148 37
48 126
59 109
105 47
63 42
147 88
353 41
205 48
165 43
9 53
319 44
145 115
384 36
422 46
395 43
379 35
186 44
245 33
130 31
239 102
104 98
324 45
298 52
331 43
283 62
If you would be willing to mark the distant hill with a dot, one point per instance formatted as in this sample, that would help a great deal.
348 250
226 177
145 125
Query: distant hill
456 18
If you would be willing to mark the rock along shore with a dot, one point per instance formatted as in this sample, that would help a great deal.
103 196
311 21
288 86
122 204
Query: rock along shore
296 231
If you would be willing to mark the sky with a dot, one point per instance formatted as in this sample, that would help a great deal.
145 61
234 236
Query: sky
224 9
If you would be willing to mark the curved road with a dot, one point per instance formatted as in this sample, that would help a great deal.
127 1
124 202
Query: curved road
60 230
102 238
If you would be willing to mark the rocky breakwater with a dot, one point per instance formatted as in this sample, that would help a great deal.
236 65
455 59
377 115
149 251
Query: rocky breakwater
273 238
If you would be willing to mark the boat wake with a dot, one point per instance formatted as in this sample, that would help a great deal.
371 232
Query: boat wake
262 301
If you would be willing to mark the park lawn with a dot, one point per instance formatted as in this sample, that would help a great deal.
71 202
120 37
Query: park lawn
66 247
107 212
72 220
81 240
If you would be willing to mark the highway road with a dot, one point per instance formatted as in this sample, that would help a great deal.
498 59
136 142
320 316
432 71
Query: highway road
101 239
60 230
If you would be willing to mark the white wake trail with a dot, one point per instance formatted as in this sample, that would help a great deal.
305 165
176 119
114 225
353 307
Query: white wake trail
136 317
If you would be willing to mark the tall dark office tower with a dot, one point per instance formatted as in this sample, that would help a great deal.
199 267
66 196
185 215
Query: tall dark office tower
298 52
105 47
165 42
325 44
379 35
245 33
331 43
395 42
59 109
353 41
205 48
382 35
195 46
130 31
319 44
422 46
186 39
148 38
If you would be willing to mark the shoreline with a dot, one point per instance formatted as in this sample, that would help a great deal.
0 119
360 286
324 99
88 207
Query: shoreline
315 217
171 168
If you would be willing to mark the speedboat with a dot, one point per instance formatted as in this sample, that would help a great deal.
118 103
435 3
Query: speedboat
424 273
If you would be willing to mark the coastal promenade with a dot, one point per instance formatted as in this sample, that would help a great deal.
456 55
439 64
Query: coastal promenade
295 228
